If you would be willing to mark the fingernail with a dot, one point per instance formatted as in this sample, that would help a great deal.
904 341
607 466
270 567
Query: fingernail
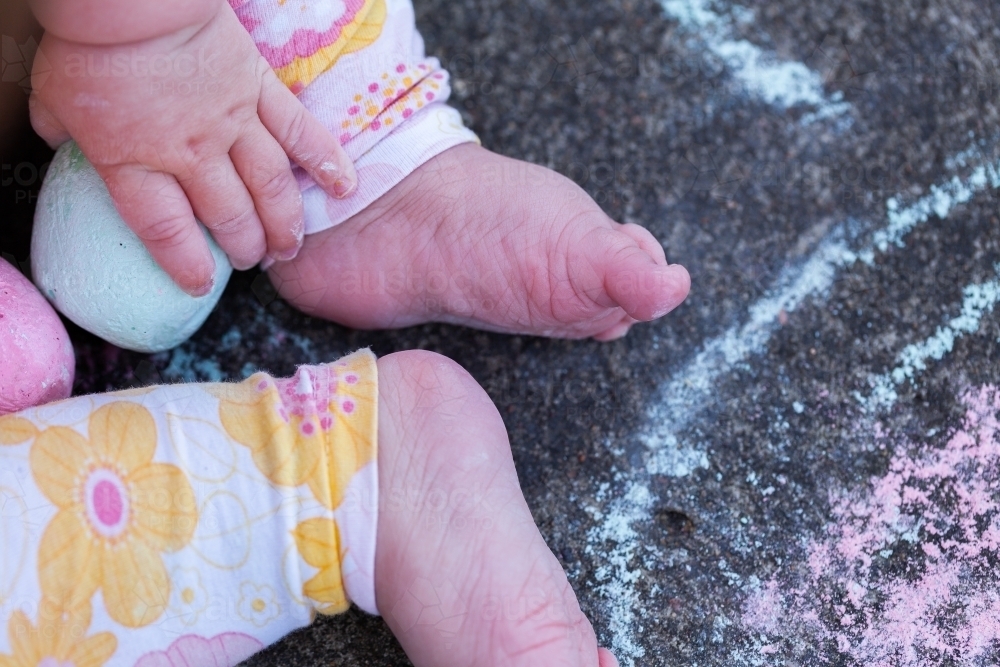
342 188
204 290
287 255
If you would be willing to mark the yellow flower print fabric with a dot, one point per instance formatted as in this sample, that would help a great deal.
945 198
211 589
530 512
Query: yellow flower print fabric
361 69
187 524
295 438
301 40
118 511
60 638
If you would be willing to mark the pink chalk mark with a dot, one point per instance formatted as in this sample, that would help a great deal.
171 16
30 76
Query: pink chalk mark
943 500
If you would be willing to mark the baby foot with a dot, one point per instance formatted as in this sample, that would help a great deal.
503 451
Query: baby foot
478 239
462 575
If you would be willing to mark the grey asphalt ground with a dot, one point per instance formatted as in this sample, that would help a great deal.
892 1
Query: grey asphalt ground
641 110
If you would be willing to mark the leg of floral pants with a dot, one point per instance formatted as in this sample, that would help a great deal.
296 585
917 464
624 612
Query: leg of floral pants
359 66
187 524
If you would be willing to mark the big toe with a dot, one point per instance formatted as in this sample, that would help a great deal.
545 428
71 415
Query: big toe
633 277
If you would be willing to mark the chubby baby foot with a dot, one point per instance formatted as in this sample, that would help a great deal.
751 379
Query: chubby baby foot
478 239
462 575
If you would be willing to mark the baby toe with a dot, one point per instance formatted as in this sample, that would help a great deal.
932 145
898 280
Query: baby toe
643 288
618 272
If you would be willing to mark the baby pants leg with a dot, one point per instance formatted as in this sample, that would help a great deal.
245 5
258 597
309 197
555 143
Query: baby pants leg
187 524
359 66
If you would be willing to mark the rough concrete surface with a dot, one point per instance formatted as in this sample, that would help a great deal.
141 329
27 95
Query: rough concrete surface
800 465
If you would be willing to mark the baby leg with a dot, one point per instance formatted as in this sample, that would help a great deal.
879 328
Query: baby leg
195 524
440 229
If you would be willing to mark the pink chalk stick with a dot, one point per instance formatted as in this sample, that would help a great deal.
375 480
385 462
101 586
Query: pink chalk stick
36 356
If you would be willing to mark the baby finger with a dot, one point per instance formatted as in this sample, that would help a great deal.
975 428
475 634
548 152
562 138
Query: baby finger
154 206
262 163
305 140
221 201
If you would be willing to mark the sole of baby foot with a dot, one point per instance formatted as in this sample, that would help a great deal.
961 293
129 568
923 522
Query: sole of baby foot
462 575
477 239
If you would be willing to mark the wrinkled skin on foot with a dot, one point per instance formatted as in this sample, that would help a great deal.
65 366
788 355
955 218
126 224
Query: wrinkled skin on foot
462 575
477 239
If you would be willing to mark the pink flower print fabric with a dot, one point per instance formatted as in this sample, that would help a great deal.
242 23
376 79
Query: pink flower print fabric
360 67
223 650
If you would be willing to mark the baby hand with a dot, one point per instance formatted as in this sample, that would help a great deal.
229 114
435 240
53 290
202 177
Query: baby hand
193 123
